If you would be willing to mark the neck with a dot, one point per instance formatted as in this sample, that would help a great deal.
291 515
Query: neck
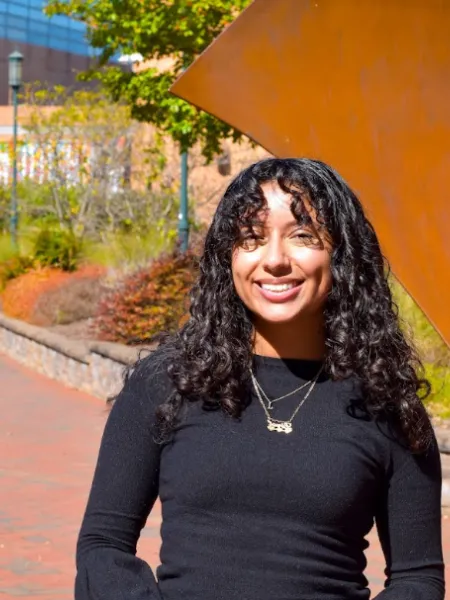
290 340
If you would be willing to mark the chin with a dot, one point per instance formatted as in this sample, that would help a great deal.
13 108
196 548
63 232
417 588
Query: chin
280 318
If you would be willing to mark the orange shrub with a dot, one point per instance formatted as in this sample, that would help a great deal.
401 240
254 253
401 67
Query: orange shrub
25 296
151 301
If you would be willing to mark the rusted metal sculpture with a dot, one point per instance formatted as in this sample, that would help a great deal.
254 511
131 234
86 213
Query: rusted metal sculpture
365 86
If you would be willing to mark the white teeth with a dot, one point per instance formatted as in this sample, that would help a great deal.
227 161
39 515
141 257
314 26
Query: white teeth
281 287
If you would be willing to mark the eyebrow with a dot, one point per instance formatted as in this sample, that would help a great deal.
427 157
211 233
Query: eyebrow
291 225
306 222
296 223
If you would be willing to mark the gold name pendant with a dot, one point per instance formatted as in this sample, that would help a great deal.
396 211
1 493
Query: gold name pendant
285 427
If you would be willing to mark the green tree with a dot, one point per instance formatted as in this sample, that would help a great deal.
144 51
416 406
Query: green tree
177 30
89 164
82 149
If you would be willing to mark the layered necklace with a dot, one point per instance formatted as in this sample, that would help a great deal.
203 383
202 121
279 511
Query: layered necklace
276 424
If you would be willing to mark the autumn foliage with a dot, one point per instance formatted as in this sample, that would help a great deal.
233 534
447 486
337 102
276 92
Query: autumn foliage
14 267
151 301
29 296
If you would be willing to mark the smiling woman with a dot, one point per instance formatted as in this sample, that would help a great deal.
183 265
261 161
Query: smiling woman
281 272
281 421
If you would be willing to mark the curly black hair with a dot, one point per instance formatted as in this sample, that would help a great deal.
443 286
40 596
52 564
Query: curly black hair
211 355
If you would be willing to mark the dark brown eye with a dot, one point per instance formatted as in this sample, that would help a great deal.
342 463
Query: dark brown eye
250 240
306 238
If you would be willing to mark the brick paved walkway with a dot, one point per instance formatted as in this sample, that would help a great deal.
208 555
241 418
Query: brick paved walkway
49 439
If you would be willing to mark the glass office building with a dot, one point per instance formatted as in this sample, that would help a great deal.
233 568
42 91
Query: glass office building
54 49
24 21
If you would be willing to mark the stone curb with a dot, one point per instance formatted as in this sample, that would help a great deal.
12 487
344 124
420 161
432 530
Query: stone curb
69 348
90 366
120 353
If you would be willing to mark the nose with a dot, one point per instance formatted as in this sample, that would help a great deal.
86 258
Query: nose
275 258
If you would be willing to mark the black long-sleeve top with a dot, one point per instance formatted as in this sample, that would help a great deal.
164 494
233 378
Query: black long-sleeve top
250 514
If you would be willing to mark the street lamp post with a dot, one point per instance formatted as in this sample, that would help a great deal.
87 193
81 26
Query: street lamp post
15 82
183 222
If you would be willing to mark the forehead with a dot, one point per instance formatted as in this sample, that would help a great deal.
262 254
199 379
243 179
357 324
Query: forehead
276 198
279 205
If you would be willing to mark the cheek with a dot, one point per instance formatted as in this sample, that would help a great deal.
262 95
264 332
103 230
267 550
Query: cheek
316 264
243 265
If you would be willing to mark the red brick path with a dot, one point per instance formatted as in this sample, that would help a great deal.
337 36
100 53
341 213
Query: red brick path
49 438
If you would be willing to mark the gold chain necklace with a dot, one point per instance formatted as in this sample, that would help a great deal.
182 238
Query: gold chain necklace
270 403
276 424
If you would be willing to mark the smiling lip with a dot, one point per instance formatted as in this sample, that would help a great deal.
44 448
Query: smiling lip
287 289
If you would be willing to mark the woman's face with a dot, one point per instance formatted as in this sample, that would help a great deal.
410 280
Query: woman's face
281 271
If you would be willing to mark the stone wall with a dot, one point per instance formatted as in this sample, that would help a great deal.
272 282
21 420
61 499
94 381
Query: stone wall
93 367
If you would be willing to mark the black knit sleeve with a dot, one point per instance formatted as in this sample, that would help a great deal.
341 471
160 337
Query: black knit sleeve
123 492
409 527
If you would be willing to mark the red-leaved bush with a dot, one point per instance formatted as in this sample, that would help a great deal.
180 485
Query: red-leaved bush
151 301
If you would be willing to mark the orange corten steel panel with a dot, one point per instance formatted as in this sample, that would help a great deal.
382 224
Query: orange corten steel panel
365 86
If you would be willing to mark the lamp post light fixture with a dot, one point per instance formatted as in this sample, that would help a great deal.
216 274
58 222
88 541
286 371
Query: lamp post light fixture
15 82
